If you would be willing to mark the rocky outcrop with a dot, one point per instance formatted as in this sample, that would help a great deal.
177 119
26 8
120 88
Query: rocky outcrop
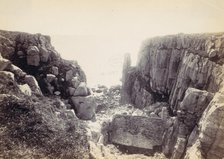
34 54
36 63
184 71
34 119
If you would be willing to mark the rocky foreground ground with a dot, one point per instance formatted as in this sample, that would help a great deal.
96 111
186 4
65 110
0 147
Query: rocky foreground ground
109 107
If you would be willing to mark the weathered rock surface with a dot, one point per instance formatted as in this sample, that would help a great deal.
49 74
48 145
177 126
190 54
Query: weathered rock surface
34 55
211 129
36 63
32 82
25 88
81 90
84 107
137 133
33 125
184 71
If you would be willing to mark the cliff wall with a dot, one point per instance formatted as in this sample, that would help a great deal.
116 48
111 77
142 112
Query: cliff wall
184 71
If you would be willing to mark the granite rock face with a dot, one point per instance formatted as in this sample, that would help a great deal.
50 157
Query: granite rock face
35 62
34 119
34 55
184 71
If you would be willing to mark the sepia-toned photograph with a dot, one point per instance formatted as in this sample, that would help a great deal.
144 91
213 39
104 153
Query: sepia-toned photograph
111 79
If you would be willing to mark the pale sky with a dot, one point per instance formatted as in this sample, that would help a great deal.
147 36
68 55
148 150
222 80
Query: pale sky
96 31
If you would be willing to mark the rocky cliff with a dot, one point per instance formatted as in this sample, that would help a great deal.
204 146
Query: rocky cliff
36 87
186 72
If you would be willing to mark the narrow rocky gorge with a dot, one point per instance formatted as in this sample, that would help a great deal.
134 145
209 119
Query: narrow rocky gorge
170 105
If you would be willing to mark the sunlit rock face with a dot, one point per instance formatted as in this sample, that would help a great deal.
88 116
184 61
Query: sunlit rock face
185 71
35 84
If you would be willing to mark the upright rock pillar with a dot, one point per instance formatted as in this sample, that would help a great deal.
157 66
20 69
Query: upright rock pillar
126 66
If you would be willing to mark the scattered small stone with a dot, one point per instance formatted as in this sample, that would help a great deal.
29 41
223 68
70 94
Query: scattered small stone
57 93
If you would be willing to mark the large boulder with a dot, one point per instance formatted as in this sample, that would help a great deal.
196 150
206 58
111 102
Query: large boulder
84 107
137 133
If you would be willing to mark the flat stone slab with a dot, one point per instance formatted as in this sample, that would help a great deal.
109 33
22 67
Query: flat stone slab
137 131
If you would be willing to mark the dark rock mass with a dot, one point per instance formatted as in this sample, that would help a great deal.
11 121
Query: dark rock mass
35 87
186 72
